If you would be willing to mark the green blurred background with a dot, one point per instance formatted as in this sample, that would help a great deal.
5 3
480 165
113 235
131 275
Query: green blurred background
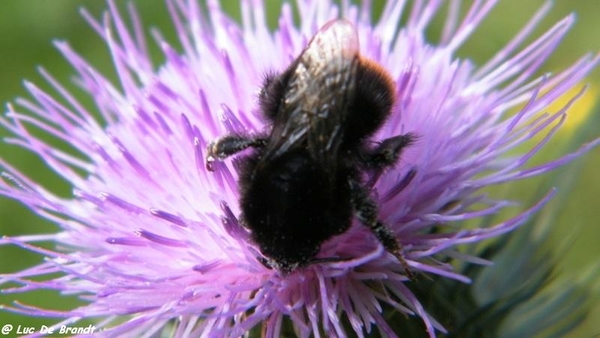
27 28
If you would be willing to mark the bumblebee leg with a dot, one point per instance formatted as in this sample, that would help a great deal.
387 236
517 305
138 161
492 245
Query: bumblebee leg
367 213
229 145
388 151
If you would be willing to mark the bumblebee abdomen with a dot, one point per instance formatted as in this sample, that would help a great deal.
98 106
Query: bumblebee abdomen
292 206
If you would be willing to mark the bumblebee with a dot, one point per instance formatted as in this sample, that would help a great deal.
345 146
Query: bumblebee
302 183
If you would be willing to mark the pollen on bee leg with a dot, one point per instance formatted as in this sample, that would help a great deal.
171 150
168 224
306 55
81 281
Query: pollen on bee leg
209 163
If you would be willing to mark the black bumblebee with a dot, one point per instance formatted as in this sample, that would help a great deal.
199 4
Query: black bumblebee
302 184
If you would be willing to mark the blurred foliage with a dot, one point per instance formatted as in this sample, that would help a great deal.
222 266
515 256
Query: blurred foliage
27 28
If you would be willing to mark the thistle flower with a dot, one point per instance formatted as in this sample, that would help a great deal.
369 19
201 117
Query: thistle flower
150 236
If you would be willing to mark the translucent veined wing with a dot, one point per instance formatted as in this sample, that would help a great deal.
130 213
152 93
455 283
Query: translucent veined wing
318 94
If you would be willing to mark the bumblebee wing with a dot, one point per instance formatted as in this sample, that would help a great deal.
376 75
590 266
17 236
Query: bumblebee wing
331 60
320 89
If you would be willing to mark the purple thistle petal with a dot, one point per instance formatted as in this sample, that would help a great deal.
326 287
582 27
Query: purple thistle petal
150 233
